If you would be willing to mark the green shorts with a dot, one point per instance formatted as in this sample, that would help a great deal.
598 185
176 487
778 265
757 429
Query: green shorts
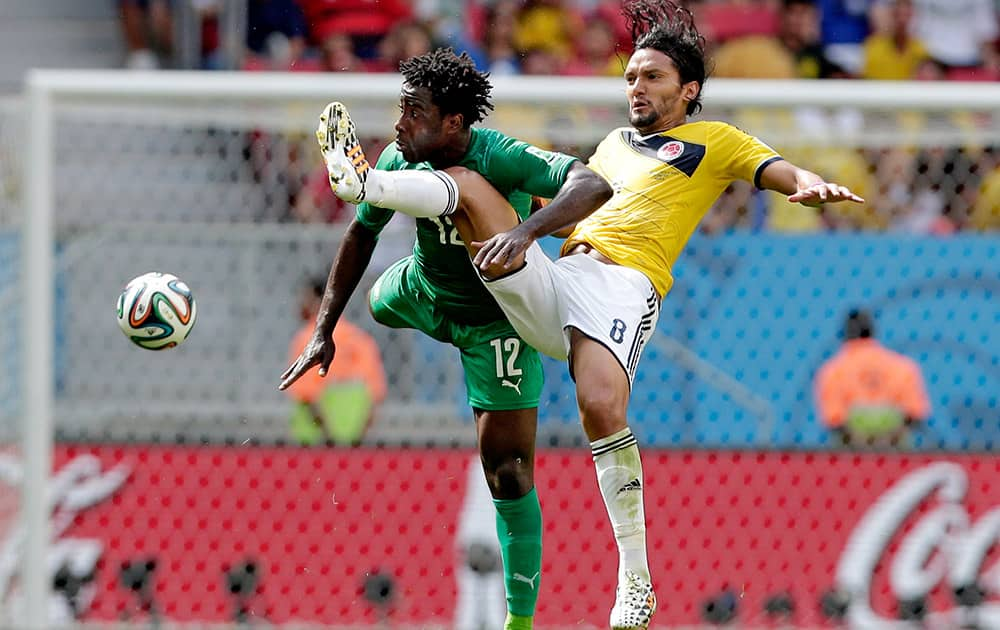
501 371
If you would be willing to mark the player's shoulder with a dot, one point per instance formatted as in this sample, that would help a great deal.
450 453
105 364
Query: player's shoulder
492 137
619 135
716 128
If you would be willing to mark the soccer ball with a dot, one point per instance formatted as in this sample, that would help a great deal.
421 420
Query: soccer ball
156 311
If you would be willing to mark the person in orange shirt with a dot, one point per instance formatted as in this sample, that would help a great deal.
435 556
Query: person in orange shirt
337 409
867 393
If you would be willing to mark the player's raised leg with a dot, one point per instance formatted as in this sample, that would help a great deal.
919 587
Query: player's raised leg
416 193
602 389
481 212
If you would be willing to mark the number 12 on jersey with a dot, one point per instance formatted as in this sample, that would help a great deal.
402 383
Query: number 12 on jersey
512 347
448 232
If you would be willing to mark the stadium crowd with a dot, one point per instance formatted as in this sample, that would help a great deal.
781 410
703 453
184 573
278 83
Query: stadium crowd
931 190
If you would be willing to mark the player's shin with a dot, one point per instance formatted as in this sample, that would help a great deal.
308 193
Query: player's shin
421 194
519 528
619 475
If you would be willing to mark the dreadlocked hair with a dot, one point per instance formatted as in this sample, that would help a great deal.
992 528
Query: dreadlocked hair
455 85
670 29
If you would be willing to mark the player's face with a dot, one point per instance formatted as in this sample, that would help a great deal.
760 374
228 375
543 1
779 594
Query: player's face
420 130
656 98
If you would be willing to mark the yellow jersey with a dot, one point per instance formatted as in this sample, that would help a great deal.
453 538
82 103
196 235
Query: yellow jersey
664 183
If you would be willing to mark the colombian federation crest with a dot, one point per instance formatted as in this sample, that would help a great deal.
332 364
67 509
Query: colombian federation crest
670 150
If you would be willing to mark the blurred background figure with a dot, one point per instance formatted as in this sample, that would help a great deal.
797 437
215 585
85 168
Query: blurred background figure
868 395
499 52
596 48
406 39
336 409
799 33
892 52
147 29
960 36
276 32
548 25
366 22
844 27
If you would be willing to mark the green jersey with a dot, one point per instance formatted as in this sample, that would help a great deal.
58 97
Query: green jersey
518 171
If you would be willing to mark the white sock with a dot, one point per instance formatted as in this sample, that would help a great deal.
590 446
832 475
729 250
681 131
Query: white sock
619 475
421 194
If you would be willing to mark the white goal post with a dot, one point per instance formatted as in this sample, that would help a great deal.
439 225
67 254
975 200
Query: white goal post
207 96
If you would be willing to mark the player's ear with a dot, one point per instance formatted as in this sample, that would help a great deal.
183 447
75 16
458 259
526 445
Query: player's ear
690 90
454 122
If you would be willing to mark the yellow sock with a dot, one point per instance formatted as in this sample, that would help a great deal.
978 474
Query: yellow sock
517 622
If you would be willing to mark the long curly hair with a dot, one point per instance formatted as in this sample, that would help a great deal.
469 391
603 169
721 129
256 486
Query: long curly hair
455 85
664 26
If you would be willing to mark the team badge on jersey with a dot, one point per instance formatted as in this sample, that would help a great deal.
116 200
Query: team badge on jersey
683 156
671 150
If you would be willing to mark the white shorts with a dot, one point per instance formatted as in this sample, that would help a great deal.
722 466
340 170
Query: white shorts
613 305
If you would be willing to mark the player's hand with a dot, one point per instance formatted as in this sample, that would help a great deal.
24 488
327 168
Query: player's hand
824 192
319 351
502 249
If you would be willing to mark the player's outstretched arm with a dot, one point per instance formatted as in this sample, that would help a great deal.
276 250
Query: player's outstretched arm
583 192
803 186
348 268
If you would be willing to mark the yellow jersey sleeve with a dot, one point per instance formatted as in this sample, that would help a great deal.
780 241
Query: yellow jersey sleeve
741 156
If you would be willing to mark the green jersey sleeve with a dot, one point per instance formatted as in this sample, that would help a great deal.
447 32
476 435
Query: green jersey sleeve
525 167
373 217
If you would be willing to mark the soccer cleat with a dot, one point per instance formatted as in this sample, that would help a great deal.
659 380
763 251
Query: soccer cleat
635 604
345 159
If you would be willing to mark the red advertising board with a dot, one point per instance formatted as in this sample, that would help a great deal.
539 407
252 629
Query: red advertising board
724 530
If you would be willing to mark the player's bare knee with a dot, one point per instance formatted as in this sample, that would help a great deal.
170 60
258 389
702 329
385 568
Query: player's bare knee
513 479
602 410
510 477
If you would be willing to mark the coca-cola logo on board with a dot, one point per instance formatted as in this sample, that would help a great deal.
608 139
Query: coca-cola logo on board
79 484
944 547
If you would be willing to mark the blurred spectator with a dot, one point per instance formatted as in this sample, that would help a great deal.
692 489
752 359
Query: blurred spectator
405 40
729 19
985 213
800 35
893 53
867 394
338 408
336 54
910 208
959 35
596 51
754 57
547 25
540 61
276 32
499 49
366 22
844 27
611 12
750 47
148 31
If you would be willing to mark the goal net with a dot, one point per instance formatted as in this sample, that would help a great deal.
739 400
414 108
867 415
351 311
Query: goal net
172 486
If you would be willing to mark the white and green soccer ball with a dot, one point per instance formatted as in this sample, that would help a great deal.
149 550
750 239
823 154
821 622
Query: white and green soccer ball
156 311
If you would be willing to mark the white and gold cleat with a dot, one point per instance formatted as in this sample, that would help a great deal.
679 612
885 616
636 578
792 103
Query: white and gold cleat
635 604
345 159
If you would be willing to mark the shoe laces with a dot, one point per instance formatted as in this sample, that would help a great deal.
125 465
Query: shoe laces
634 591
